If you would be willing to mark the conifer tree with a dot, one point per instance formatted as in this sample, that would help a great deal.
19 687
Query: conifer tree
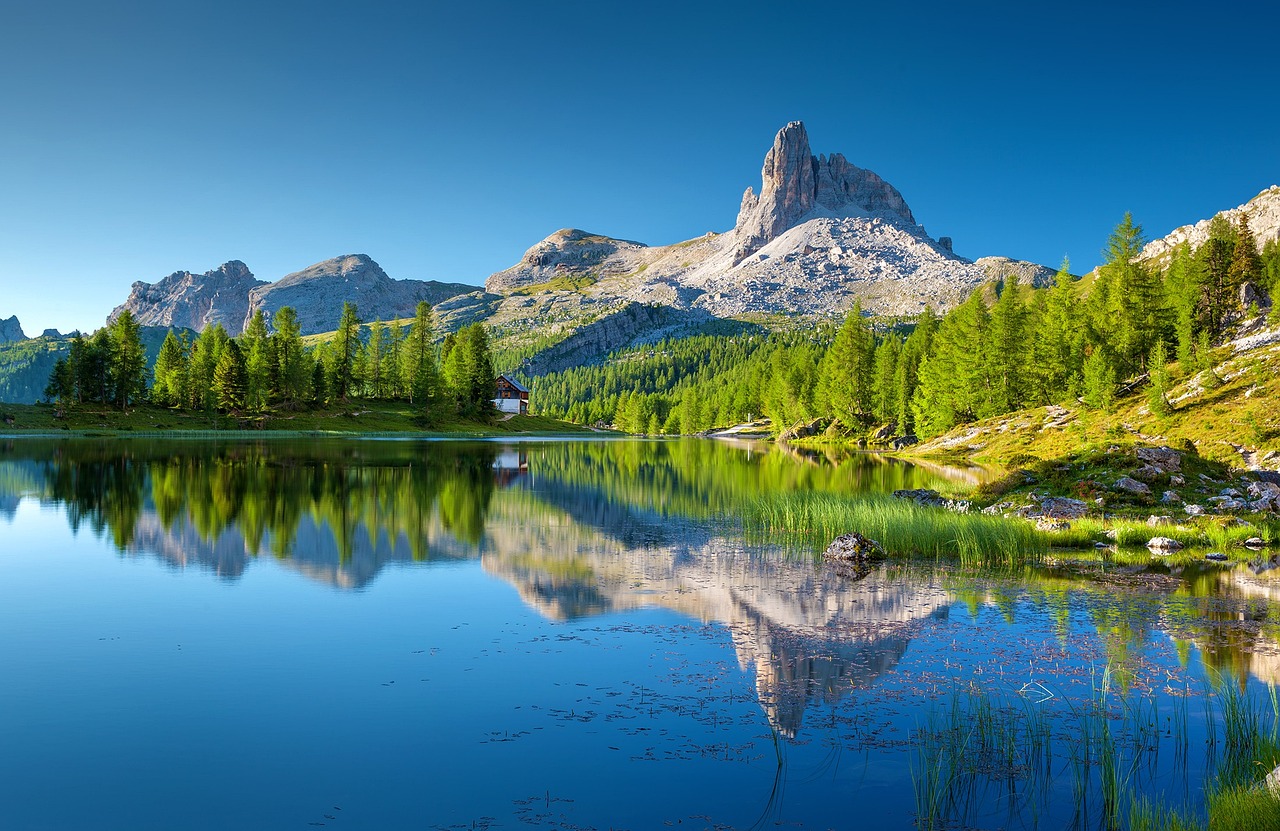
1058 346
1246 262
230 378
1005 350
1136 298
1099 380
373 359
344 353
169 386
418 362
1158 390
884 383
1217 292
845 376
293 365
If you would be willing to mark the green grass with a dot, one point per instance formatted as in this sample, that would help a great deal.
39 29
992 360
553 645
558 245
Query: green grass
901 526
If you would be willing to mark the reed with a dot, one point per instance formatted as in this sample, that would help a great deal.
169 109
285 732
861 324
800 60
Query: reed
902 527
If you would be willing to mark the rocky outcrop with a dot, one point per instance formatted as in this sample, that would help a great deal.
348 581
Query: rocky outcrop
193 301
317 293
796 186
1263 211
11 330
570 255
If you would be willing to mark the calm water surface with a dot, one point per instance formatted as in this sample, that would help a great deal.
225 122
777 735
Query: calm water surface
373 634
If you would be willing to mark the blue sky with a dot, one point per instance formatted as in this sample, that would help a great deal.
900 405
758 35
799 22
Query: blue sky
443 140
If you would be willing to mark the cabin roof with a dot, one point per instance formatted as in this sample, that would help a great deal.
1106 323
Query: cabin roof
513 382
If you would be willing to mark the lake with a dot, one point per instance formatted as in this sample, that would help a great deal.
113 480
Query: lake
348 633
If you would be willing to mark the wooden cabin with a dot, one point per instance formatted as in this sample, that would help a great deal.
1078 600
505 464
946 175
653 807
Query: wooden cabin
511 396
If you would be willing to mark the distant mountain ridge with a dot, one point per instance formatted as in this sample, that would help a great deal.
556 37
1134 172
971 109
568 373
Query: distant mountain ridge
230 295
1262 210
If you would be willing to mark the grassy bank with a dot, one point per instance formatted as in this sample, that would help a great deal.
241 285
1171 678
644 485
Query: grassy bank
361 418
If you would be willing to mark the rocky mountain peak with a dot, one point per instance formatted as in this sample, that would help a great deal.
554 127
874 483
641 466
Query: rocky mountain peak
11 330
796 185
193 301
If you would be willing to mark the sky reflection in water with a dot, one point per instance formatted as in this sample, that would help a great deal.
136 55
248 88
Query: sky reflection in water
559 635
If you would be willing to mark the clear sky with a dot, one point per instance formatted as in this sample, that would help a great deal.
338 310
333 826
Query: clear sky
443 139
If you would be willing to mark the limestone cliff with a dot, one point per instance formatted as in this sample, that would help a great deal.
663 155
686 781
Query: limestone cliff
193 301
1263 211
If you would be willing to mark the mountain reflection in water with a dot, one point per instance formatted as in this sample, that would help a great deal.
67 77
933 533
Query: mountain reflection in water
582 529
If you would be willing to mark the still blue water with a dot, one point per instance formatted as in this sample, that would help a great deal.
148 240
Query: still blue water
562 636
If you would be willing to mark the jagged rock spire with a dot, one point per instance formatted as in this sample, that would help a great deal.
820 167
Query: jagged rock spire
795 183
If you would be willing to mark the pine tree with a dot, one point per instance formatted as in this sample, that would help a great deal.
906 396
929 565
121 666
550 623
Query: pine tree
1246 263
128 359
1004 354
418 363
469 373
1136 298
293 366
169 387
230 378
1099 380
1213 261
845 375
1058 347
1183 290
1158 390
205 353
373 358
884 383
344 353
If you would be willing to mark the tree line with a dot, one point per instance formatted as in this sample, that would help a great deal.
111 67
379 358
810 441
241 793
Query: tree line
1006 347
270 367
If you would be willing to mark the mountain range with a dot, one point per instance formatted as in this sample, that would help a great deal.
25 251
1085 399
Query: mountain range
819 235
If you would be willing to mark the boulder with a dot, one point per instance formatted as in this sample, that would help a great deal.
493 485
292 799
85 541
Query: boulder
884 432
1050 525
1170 498
1194 510
1216 556
1130 485
1154 520
1164 544
1148 473
853 548
1255 542
1060 507
1165 459
803 431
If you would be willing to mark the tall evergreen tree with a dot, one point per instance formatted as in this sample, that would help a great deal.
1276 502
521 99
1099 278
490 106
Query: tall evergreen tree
128 359
1136 299
1057 349
293 365
418 362
168 388
344 352
230 378
1004 355
845 382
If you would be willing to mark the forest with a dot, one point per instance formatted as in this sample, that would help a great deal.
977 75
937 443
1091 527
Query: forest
264 371
1008 346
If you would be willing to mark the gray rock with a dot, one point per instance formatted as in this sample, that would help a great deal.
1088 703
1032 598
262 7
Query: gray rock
795 183
1216 556
1148 473
803 431
194 301
1194 510
1166 544
1255 542
317 293
853 547
1050 525
1154 520
1164 458
1177 481
1170 498
1133 486
1060 507
11 330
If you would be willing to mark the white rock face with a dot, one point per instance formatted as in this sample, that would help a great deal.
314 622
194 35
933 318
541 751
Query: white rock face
821 234
193 301
1264 220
